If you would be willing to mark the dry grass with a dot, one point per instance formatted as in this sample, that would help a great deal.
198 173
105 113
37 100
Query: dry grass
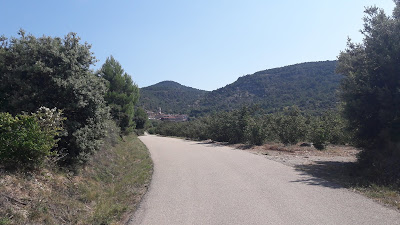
108 188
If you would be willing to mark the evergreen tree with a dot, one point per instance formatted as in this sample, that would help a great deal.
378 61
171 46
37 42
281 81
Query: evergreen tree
122 94
370 92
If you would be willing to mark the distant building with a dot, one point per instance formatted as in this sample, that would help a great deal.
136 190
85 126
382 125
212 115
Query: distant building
166 117
176 118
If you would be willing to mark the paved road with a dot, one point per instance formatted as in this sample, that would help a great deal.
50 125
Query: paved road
195 183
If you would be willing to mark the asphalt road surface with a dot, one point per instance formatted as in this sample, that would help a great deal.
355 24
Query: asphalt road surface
197 183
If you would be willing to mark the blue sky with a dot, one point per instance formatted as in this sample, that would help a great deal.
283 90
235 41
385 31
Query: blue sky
205 44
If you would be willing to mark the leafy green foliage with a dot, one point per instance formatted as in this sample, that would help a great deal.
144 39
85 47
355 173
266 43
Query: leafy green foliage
255 132
319 135
252 126
122 94
140 118
329 127
290 126
27 140
55 72
229 127
370 92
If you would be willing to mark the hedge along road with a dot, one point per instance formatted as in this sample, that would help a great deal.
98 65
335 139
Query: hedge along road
197 183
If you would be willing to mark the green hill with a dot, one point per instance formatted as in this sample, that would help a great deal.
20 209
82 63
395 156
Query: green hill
311 86
171 96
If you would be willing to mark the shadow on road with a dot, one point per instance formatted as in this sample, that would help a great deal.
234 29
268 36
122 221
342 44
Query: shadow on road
330 174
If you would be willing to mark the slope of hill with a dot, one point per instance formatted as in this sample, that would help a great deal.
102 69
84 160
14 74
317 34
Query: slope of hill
171 96
311 86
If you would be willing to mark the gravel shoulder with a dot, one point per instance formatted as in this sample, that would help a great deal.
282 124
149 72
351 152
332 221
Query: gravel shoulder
296 155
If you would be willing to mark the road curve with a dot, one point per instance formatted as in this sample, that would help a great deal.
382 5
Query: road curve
197 183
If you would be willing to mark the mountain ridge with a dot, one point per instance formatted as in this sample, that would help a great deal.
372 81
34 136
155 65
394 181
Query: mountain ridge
311 85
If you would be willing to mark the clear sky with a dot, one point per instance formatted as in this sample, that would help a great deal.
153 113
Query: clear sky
205 44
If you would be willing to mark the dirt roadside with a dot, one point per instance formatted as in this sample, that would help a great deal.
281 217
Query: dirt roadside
334 164
296 155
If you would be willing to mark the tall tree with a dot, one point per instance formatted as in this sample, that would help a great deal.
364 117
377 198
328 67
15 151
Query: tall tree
54 72
122 94
141 118
371 92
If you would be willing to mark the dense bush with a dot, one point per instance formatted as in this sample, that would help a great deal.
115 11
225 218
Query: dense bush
27 140
233 127
55 72
140 118
370 92
248 125
318 133
327 128
290 126
255 133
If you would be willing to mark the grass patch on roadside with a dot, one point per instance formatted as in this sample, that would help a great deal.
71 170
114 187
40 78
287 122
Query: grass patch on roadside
387 195
105 191
117 183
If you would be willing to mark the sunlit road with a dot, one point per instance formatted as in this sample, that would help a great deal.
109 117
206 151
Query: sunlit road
195 183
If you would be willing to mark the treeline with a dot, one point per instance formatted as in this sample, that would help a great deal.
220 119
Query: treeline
250 125
53 105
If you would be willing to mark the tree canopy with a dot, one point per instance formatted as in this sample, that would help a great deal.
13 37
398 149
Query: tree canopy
122 94
55 72
370 91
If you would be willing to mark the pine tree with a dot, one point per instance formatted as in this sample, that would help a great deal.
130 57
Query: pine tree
122 94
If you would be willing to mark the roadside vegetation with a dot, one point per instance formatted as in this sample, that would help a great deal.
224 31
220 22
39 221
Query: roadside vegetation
105 191
251 126
68 149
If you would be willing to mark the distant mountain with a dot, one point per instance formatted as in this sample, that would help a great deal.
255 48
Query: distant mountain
171 96
311 86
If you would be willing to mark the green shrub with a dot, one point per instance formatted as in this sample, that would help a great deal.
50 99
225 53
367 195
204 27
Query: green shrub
318 134
152 130
27 140
55 72
141 118
229 126
290 126
255 132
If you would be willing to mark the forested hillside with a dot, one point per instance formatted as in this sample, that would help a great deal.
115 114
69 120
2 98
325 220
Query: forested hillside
171 96
311 86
